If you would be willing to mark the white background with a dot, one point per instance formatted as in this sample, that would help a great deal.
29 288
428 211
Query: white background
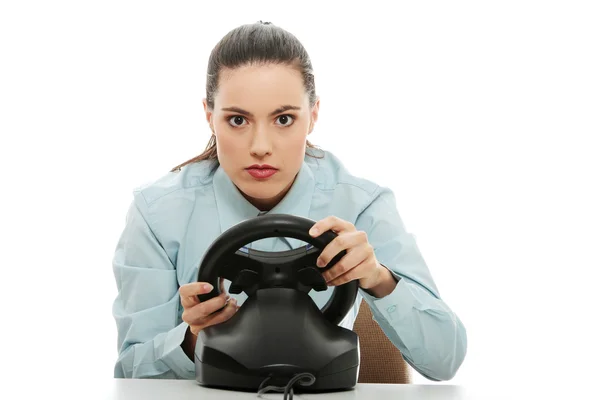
482 117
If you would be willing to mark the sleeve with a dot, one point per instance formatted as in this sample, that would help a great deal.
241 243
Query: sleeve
147 308
430 336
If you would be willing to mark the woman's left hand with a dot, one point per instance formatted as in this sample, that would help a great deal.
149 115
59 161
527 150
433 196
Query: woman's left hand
359 262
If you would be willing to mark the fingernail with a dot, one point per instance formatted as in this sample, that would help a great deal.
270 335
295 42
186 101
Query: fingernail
313 231
207 286
320 263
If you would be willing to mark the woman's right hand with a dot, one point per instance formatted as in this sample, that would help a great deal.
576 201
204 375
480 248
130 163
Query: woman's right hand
199 315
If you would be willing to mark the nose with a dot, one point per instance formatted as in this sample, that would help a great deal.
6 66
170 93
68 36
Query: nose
261 144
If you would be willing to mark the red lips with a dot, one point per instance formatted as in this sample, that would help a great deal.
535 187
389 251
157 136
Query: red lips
261 171
264 166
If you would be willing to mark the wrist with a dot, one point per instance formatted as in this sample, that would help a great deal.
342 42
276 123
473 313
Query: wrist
384 282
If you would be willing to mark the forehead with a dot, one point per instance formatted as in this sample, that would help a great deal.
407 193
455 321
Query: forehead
260 87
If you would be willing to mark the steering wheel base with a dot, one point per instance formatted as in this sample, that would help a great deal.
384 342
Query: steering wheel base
277 333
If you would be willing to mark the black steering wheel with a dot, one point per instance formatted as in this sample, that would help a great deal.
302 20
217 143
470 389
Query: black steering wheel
250 270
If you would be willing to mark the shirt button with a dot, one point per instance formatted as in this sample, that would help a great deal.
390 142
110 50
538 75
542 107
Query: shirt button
393 313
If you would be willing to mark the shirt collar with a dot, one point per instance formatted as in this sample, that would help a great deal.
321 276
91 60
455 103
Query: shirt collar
233 208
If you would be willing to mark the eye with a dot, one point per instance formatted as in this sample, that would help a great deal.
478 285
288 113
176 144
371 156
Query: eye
237 120
285 120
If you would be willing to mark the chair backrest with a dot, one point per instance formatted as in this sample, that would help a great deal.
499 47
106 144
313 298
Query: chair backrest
380 360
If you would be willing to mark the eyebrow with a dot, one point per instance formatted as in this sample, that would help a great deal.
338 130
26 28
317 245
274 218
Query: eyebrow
249 114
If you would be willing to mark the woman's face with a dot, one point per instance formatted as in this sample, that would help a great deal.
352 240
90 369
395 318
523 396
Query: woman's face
261 119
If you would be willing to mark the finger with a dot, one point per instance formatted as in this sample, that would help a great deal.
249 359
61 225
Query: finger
333 223
195 288
342 242
355 273
190 291
223 315
189 301
216 318
199 313
196 314
349 261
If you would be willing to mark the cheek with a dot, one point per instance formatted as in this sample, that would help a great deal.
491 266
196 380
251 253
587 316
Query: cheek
298 143
293 148
228 143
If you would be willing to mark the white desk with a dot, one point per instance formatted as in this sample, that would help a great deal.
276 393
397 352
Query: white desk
147 389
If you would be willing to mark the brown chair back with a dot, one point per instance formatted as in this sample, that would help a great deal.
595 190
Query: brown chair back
380 360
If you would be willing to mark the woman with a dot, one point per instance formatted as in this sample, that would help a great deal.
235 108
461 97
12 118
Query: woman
261 106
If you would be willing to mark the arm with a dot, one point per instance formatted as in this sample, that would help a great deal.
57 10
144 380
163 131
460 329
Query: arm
147 308
409 308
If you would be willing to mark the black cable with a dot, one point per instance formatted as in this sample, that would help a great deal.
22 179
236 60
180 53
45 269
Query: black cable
289 388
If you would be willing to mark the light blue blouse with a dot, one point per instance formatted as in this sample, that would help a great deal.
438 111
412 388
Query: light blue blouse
172 221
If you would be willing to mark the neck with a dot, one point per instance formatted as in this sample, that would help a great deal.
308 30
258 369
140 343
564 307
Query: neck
268 204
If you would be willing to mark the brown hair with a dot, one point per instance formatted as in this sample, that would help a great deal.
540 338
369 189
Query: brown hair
261 42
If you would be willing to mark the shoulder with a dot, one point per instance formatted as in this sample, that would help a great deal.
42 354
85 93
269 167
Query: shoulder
332 175
173 186
361 201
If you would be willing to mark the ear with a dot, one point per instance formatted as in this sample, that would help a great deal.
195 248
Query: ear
314 115
209 116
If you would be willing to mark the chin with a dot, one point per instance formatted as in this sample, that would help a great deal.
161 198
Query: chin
261 191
